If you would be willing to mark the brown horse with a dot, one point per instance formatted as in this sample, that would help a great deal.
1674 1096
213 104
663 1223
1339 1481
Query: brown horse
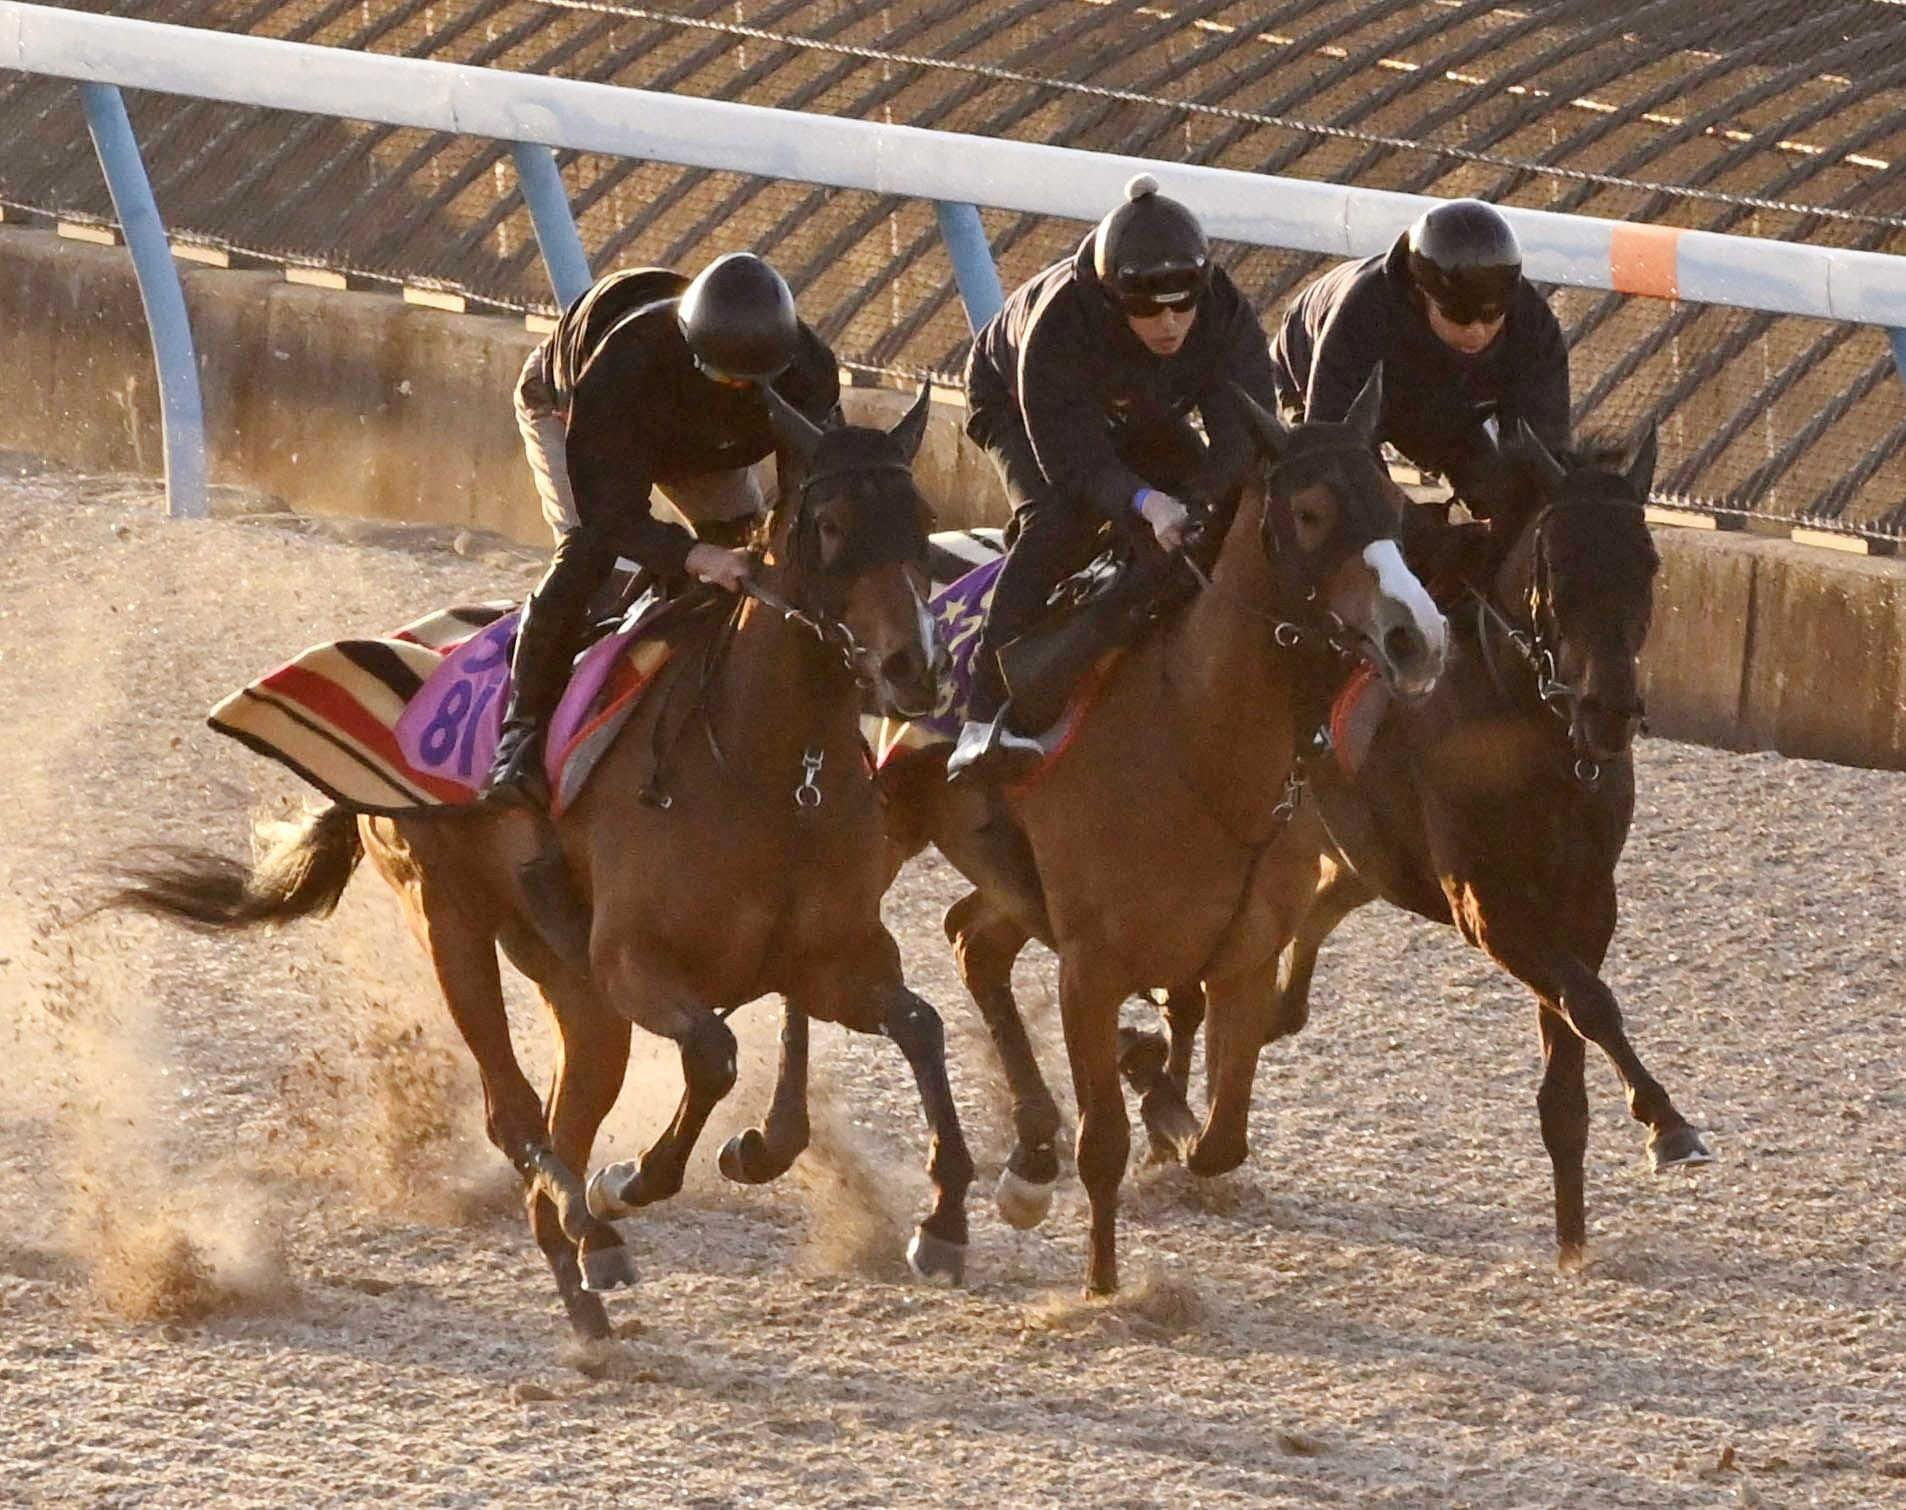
729 845
1157 849
1501 802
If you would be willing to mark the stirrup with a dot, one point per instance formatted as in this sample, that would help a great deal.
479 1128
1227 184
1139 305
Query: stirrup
983 747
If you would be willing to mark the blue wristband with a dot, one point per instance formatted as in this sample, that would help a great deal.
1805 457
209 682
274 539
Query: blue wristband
1138 499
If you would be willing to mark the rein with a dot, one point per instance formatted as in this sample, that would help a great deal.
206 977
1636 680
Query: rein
1531 644
830 632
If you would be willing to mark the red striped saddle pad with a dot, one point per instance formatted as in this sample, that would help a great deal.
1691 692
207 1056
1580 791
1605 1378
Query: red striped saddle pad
411 720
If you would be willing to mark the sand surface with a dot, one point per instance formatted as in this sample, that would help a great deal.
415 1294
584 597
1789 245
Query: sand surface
255 1250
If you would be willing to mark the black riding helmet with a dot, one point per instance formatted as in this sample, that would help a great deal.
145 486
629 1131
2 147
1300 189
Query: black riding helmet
1464 256
1151 251
738 319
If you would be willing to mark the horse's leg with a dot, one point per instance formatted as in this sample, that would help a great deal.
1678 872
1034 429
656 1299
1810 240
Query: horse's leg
592 1056
1532 949
985 944
461 947
708 1071
622 969
1158 1069
1672 1142
1339 896
1088 1003
1563 1105
938 1248
1233 1039
757 1155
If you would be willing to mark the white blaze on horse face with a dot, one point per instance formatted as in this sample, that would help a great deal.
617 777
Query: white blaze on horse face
1400 597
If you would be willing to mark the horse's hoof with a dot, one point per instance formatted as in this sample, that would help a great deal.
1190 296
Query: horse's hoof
605 1190
605 1269
741 1156
1208 1159
1680 1149
1022 1203
1141 1058
936 1260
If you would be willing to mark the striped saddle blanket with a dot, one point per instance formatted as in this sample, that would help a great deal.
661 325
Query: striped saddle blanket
411 720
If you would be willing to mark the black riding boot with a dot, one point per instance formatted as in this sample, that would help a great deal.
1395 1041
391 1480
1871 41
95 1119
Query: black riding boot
539 670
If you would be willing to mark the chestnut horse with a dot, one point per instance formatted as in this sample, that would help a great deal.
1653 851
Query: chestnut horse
1157 848
1500 804
729 845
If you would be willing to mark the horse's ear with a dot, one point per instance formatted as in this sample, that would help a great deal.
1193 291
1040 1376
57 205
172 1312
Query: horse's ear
1641 471
1366 414
1529 445
792 429
912 428
1271 431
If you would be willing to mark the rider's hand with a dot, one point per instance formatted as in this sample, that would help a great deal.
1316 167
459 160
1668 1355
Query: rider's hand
1167 516
719 565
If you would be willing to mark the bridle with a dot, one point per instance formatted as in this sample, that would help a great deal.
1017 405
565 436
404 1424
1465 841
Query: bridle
1539 643
1303 622
829 630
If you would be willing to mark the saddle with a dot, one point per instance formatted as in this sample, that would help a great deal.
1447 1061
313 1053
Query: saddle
1107 606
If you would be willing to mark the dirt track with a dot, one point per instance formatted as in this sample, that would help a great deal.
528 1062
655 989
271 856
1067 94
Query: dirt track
253 1248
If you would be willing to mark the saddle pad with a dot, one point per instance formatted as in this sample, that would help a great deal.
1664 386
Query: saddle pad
959 608
392 725
1356 715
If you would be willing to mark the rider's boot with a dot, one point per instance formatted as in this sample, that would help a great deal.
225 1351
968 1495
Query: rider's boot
539 669
987 749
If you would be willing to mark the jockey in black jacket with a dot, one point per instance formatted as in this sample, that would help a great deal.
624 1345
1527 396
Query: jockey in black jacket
1080 389
648 381
1463 338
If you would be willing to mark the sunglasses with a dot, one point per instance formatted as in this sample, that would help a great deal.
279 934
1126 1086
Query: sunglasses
1144 307
1464 315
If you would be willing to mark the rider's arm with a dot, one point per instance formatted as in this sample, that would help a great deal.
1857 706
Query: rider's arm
1348 348
1541 383
1246 361
610 468
1064 419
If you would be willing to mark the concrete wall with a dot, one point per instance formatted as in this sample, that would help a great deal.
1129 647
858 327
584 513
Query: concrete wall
360 404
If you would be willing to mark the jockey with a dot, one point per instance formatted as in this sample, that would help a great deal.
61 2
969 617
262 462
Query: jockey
648 381
1079 389
1463 338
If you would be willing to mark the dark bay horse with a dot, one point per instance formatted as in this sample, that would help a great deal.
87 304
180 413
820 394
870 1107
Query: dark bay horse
1157 848
1501 802
730 845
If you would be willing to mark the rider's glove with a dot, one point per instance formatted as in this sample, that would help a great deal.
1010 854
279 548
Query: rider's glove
1165 514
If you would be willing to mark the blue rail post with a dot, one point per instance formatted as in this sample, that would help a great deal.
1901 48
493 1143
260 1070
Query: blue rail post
972 258
556 235
1898 335
181 410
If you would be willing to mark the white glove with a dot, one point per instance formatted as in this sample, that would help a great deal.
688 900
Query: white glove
719 565
1167 517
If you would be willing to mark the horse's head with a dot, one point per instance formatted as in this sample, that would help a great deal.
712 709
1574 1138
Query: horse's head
1327 522
1582 570
850 535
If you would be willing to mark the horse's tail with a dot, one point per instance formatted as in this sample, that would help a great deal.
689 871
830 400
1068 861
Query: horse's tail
300 870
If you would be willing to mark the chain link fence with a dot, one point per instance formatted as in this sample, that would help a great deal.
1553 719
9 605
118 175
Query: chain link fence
1783 120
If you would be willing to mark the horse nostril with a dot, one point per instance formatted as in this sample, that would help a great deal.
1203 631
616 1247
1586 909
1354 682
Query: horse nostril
1400 645
901 667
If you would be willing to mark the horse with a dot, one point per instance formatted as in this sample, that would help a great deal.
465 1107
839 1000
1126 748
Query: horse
729 845
1500 803
1157 848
